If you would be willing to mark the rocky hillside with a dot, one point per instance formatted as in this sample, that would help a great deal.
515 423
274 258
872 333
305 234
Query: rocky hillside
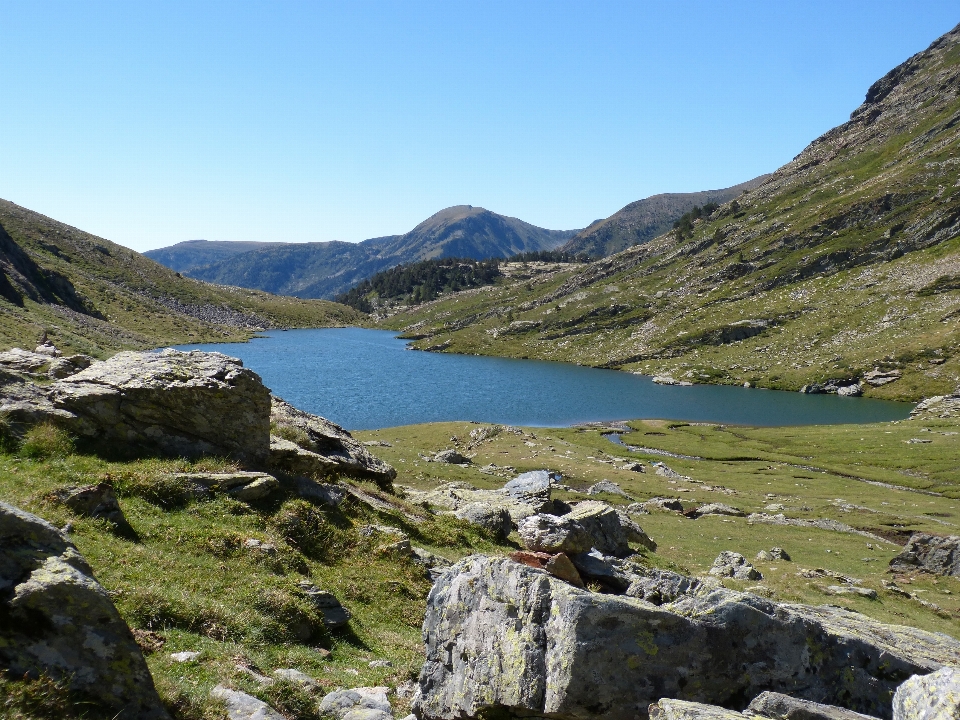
93 296
324 270
192 254
645 219
842 270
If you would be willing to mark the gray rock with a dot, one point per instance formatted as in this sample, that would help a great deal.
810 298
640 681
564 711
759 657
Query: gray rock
668 709
531 488
734 565
635 533
552 534
609 571
495 520
868 593
320 448
96 501
58 620
929 553
783 707
820 523
660 503
35 365
380 664
323 493
662 586
877 377
363 703
241 706
456 495
242 485
453 457
185 656
334 614
637 509
778 553
295 677
504 636
605 486
719 509
603 524
929 697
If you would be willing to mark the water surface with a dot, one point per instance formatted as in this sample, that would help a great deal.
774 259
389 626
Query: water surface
366 379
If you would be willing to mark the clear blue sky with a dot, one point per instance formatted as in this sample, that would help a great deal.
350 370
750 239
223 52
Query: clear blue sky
149 123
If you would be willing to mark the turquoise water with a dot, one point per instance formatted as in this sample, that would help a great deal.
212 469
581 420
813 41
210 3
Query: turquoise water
367 379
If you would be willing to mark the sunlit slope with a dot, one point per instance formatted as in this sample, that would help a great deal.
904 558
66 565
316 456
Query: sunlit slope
93 296
847 259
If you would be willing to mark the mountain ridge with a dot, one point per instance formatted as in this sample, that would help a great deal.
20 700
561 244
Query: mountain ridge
326 269
642 220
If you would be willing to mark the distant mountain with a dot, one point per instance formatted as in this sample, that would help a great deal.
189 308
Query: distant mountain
645 219
192 254
325 269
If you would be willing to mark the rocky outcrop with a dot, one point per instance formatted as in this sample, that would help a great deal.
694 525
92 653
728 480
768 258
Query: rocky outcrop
495 520
46 365
363 703
929 553
503 635
242 485
57 619
929 697
734 565
305 444
767 705
180 404
551 534
611 531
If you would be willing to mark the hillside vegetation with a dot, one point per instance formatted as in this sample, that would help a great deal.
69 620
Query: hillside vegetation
92 296
191 254
645 219
845 261
326 269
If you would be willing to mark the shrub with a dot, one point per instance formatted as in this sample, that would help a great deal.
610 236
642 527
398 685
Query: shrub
46 441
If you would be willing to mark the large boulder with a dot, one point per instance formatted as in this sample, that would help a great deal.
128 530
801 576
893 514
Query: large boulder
929 697
929 553
503 635
603 523
305 444
552 534
180 404
58 620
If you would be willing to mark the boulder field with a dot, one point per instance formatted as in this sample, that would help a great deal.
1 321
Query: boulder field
502 635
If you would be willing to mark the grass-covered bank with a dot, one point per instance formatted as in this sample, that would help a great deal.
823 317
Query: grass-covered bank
183 577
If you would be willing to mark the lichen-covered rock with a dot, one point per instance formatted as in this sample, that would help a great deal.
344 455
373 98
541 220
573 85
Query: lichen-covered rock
783 707
180 404
305 444
929 697
930 553
605 486
518 503
603 524
734 565
362 703
495 520
661 503
241 706
719 509
58 620
503 635
552 534
453 457
531 488
662 586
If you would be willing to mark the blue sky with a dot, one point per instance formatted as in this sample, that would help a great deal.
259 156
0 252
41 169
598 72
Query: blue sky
149 123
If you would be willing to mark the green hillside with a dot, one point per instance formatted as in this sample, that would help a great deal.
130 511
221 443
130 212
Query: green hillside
846 260
191 254
92 296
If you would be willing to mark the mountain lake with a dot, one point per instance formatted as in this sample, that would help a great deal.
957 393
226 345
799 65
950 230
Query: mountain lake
367 379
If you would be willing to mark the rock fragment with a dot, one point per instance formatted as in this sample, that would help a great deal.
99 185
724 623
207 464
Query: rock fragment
718 509
783 707
241 706
734 565
362 703
929 697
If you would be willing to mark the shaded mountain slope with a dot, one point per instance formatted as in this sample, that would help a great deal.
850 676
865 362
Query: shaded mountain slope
324 270
845 261
197 253
645 219
93 296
